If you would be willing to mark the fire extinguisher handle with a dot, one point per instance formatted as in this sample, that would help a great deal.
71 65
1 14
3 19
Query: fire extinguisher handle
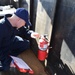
45 36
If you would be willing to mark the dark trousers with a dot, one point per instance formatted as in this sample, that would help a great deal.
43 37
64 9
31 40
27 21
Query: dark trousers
18 46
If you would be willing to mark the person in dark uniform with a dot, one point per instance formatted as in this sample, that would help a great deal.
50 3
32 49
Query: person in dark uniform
14 36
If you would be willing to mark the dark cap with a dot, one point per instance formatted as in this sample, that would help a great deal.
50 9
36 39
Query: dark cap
23 14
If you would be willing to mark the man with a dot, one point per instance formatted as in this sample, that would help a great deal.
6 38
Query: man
12 28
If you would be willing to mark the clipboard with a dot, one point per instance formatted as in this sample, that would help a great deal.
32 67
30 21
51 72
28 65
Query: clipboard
21 65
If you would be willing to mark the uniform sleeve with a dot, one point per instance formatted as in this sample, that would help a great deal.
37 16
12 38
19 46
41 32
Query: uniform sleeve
1 35
1 38
0 41
25 32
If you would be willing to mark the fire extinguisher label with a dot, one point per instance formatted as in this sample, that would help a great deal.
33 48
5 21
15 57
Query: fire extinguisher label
43 47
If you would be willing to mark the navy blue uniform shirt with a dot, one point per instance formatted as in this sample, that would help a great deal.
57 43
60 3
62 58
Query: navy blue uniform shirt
7 34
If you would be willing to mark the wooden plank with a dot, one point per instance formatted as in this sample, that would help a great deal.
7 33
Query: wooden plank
30 58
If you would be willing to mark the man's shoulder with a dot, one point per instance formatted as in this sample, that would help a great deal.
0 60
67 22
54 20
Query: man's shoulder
2 28
2 21
2 24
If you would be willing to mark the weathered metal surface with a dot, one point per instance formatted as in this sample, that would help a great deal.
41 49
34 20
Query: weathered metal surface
63 38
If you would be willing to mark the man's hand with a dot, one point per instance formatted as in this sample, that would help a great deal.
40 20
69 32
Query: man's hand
35 35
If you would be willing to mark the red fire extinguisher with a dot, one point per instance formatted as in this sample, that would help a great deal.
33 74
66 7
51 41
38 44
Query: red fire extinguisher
43 47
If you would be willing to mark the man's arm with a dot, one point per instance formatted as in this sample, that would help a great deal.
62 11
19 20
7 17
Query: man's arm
25 32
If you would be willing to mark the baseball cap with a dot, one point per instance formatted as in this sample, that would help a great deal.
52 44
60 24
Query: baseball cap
23 14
